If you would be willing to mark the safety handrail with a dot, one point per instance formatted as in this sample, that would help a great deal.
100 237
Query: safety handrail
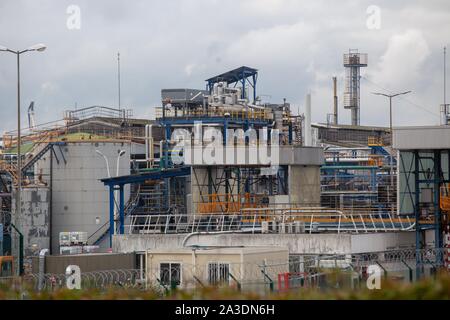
312 222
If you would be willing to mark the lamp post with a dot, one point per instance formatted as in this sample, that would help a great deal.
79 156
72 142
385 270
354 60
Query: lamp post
121 153
107 162
37 47
390 96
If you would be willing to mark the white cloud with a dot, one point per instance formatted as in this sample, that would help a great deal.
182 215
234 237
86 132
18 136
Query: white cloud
402 64
296 45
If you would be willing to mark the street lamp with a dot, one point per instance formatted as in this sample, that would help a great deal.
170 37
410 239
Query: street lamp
107 162
121 153
390 96
37 47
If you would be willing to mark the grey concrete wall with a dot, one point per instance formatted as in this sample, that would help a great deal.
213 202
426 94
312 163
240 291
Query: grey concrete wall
34 218
297 243
79 197
297 155
287 155
381 241
304 185
86 262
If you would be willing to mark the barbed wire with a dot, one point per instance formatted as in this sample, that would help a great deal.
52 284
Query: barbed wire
126 278
300 271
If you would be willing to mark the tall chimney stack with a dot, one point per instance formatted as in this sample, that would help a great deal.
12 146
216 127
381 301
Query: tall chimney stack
308 135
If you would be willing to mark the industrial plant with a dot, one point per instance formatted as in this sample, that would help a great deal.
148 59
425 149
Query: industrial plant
223 189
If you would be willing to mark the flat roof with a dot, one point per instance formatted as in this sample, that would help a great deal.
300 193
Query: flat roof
422 138
234 75
219 250
348 126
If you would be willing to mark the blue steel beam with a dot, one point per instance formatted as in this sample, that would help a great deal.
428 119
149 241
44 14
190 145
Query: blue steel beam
121 210
111 214
112 183
155 175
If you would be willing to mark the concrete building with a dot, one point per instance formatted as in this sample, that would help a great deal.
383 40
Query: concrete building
300 164
424 180
209 266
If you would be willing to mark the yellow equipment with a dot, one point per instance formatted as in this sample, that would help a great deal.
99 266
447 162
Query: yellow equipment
6 266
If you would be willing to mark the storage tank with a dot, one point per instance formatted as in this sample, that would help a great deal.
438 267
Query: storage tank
80 201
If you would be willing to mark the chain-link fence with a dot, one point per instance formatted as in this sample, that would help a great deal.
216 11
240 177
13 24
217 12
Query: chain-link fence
125 278
320 272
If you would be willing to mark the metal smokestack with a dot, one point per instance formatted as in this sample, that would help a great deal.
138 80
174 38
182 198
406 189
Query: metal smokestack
308 137
335 102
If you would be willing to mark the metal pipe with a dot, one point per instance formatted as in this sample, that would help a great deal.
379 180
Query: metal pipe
42 254
183 244
149 144
335 102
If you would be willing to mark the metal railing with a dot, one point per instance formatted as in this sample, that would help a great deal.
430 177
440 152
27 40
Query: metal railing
217 112
268 220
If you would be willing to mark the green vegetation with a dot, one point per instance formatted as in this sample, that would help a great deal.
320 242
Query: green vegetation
24 148
430 288
81 136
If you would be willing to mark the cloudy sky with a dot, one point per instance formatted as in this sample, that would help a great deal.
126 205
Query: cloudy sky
297 47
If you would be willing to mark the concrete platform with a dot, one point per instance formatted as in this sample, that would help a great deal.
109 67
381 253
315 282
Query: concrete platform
297 243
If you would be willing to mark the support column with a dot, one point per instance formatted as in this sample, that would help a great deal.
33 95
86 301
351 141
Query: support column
166 146
111 213
437 208
417 211
304 185
225 136
290 133
121 210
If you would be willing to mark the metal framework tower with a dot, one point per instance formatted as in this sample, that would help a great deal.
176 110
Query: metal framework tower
353 61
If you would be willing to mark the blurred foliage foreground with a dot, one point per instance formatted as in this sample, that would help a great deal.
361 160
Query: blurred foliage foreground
436 287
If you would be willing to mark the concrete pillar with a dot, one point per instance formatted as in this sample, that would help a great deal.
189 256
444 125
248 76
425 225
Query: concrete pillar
304 185
199 187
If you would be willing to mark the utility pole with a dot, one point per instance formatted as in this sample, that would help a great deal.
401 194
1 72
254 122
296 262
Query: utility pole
118 75
17 217
445 110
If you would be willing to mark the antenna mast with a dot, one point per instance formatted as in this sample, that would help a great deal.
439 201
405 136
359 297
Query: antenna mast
118 75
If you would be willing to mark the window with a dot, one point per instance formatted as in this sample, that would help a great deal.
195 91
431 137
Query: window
140 264
170 273
218 273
